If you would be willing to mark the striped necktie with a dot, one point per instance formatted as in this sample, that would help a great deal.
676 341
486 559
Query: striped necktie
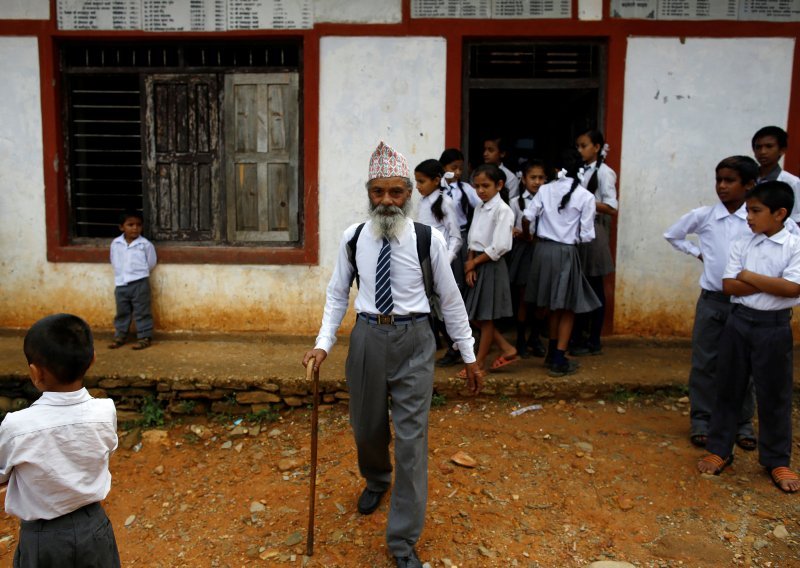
383 283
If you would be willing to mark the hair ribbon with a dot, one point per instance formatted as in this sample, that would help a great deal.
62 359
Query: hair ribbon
562 173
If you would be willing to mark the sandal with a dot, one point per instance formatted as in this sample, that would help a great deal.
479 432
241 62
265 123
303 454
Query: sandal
118 342
143 343
699 440
462 374
717 462
747 443
504 360
782 473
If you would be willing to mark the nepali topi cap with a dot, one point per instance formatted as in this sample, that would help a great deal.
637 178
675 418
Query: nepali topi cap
387 162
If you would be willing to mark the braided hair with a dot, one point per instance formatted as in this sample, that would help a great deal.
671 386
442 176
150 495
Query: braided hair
495 174
526 167
449 156
433 169
596 137
571 162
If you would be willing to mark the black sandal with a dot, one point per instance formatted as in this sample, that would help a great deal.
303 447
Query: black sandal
699 440
747 443
143 343
118 342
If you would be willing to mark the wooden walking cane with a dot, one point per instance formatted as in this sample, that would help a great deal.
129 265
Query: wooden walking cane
314 435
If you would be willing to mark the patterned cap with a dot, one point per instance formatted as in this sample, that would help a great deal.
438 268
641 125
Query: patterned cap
386 162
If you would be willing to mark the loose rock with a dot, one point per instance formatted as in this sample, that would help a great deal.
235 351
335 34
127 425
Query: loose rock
464 459
780 532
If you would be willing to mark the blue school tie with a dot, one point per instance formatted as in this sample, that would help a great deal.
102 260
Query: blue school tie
383 283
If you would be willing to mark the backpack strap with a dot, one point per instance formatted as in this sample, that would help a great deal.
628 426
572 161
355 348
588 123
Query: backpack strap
352 244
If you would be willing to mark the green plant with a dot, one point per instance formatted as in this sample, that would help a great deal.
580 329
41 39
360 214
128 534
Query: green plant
152 413
187 406
263 416
438 400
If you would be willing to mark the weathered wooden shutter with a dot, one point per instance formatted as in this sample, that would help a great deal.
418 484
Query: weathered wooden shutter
182 149
262 149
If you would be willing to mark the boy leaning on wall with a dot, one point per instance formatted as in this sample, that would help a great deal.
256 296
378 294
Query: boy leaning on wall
54 455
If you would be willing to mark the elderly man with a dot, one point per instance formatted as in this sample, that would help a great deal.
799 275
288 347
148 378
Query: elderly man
392 346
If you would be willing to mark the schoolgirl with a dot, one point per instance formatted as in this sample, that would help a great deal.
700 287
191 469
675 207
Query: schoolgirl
562 213
595 256
519 259
465 199
494 152
489 294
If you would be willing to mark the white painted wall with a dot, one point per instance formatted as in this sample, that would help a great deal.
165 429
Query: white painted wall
370 88
24 9
688 104
358 11
590 10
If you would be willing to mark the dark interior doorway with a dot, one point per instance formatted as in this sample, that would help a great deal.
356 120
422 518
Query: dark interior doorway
538 95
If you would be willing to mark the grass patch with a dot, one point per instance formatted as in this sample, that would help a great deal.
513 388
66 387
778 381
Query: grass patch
438 400
152 413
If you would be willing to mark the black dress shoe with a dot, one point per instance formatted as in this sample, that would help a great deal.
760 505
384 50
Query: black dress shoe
450 358
369 501
410 561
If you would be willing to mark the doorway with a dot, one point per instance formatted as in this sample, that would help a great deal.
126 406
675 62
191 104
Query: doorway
536 95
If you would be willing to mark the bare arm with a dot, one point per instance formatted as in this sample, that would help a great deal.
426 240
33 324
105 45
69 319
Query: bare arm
607 209
770 284
733 287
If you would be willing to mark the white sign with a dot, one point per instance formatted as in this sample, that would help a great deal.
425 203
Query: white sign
743 10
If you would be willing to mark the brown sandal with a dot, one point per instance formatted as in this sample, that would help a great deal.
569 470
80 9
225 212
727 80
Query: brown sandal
719 463
782 473
118 342
143 343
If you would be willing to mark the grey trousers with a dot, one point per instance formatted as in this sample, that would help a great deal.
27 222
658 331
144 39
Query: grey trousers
83 538
709 321
133 302
393 361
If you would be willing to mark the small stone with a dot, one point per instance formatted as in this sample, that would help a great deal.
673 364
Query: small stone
274 433
621 410
130 439
289 463
759 544
447 563
238 447
256 507
294 538
684 400
610 564
780 532
129 520
624 503
226 445
254 431
267 554
584 447
158 470
486 552
151 437
237 432
200 431
463 459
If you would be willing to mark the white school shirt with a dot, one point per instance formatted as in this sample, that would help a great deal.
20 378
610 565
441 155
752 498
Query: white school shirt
716 229
54 454
408 288
132 261
491 229
454 193
573 224
512 182
777 256
448 226
528 197
606 183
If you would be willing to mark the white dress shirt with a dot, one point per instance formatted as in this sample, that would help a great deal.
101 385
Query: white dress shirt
777 256
512 182
794 182
491 229
408 288
606 183
528 197
132 261
454 192
573 224
448 226
54 454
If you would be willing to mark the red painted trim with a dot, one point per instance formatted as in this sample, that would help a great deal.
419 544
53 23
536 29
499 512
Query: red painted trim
791 159
453 91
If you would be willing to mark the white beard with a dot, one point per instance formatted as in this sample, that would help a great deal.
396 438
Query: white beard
388 221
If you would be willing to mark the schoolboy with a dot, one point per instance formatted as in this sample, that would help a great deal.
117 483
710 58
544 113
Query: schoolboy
769 146
716 227
54 455
133 257
763 278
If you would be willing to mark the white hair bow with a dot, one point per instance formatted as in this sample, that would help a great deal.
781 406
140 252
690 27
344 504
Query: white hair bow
445 181
562 173
604 151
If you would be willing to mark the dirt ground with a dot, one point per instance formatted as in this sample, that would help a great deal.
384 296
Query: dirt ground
568 484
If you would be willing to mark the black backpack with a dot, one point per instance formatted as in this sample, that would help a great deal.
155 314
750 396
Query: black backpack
423 253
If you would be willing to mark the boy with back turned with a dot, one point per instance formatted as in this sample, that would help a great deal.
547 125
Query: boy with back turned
54 455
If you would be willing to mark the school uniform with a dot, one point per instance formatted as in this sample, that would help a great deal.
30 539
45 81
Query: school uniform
55 485
394 359
519 259
556 281
595 255
757 341
716 228
512 182
779 174
491 233
464 198
132 263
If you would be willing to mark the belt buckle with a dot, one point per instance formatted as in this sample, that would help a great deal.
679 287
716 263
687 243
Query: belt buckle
385 320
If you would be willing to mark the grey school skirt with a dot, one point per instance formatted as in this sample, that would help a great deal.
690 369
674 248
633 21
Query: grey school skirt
457 266
595 256
519 262
556 280
490 298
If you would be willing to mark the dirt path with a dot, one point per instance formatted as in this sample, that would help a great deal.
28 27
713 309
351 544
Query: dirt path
562 486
